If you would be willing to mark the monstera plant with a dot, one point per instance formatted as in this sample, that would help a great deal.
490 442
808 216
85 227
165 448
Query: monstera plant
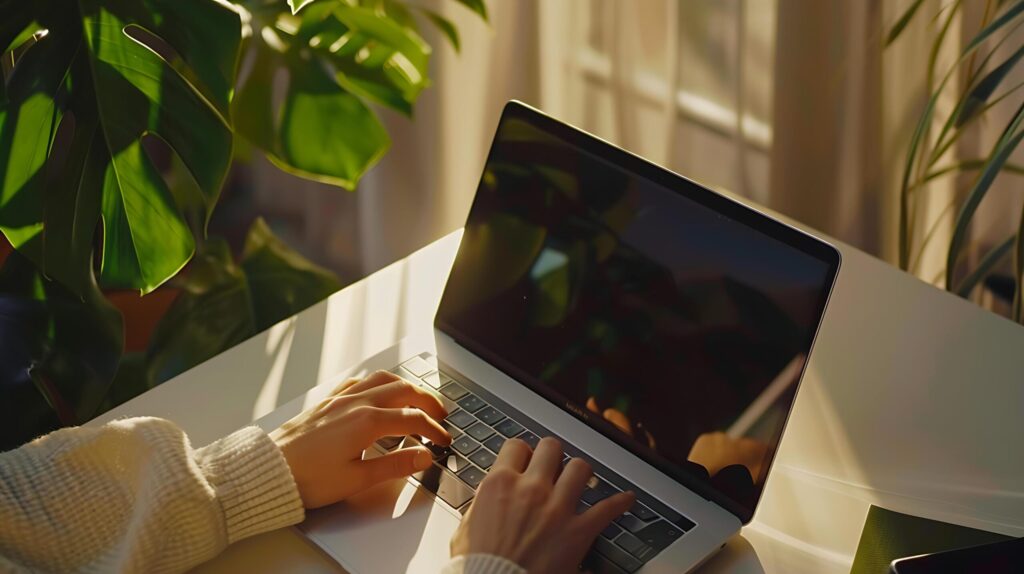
118 125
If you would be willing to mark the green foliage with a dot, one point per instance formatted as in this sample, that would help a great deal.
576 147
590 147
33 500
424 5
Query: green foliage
58 352
104 91
91 91
901 24
978 96
223 303
334 59
98 83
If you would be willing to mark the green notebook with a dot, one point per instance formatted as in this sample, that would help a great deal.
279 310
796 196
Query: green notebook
890 535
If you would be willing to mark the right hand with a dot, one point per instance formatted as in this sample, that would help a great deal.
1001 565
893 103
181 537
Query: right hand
525 510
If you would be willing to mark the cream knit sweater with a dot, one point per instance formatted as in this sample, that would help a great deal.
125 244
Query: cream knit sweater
134 496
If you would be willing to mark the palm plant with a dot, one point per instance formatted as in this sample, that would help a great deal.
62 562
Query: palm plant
96 96
984 78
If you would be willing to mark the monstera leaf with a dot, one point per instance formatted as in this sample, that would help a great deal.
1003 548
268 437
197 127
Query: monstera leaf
98 78
224 302
333 59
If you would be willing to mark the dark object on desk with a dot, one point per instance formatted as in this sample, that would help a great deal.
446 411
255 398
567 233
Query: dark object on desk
1004 557
890 535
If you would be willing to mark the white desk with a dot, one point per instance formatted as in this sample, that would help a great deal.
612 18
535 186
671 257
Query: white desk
913 399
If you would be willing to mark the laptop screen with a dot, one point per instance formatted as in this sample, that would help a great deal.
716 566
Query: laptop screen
654 310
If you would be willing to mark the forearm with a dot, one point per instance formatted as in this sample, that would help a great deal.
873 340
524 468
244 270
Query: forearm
133 495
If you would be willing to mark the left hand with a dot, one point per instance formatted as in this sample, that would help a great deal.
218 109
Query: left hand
324 445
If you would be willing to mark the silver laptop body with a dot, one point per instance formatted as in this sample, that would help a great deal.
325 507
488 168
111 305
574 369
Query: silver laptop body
405 526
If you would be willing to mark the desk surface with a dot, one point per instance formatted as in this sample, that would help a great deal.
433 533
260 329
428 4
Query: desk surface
913 400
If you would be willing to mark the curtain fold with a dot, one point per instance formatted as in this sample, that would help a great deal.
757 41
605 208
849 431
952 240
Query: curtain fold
423 187
826 155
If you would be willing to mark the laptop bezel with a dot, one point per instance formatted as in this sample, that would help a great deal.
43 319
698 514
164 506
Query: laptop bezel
726 206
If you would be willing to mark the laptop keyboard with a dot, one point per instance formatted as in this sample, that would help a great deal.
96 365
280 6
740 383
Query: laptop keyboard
480 428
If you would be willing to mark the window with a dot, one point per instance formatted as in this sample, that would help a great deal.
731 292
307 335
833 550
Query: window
618 62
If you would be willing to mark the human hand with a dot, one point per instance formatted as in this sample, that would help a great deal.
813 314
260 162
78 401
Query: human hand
525 510
323 445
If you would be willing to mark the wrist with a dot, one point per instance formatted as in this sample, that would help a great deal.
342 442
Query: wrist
252 483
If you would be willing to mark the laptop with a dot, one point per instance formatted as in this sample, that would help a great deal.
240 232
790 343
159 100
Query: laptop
658 329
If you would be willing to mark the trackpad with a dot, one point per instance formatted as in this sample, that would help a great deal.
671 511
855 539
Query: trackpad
394 527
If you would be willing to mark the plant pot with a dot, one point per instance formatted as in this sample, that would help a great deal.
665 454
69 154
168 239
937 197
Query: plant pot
141 314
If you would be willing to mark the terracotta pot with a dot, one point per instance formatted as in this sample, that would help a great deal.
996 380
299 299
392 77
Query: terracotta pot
5 249
141 314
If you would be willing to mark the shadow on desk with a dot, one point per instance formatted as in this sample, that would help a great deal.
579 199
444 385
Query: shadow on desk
738 557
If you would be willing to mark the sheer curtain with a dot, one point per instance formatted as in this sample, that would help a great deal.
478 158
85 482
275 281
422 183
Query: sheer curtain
794 104
423 187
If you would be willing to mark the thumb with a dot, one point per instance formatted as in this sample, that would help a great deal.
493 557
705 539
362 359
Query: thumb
397 464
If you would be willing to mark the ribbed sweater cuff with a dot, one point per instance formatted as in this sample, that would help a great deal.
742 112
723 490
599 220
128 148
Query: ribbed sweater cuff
253 483
482 564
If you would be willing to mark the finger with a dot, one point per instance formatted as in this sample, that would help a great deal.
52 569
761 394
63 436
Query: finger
397 464
546 460
342 387
514 454
599 516
375 379
405 394
380 422
570 484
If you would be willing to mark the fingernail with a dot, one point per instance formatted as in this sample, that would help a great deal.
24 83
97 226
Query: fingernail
422 460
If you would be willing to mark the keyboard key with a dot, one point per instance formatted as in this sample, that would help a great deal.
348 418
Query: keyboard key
451 428
642 512
509 428
611 531
489 415
472 476
437 451
483 458
530 439
594 563
449 405
598 490
405 375
445 485
465 445
418 366
471 403
632 523
658 535
454 462
479 431
620 557
433 379
461 419
685 523
495 443
389 442
454 391
634 546
581 507
656 505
